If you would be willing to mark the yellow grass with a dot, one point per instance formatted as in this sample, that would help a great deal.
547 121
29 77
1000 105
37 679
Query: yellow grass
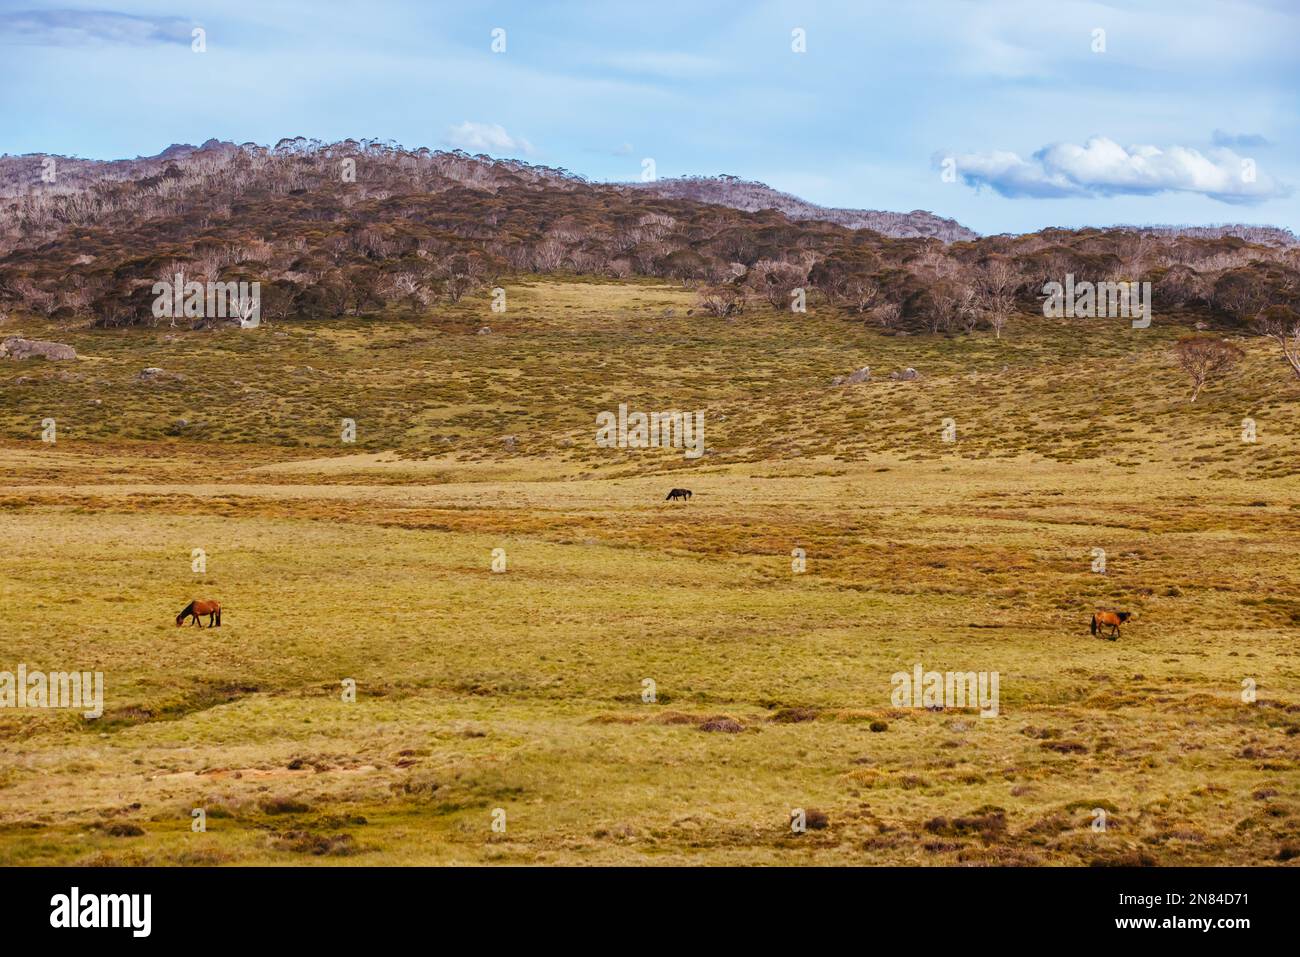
522 691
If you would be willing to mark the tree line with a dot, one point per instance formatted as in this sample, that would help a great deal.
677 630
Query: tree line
341 229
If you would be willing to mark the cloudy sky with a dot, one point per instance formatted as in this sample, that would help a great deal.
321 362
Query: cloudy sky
1008 116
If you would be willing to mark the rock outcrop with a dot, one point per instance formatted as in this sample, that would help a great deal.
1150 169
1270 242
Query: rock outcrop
16 347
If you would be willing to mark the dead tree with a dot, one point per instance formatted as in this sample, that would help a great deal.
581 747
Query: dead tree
1203 357
1282 325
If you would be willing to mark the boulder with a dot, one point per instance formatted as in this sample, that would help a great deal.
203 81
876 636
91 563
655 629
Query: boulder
16 347
906 375
853 378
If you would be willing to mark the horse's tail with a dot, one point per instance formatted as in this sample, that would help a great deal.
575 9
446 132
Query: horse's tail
184 611
1094 624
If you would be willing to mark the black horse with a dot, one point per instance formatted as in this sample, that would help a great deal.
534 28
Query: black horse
682 493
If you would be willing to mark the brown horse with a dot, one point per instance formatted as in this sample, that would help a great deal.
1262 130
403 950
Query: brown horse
683 493
196 608
1110 619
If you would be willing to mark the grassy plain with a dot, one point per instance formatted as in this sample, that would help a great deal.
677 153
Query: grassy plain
522 691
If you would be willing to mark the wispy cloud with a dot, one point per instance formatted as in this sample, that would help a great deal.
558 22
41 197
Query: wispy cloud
668 64
489 138
1101 167
1242 140
85 27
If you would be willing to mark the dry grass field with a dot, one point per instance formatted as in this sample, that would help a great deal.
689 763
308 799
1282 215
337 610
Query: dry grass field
484 697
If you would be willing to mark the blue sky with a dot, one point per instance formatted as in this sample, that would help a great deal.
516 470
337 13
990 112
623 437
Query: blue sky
1188 115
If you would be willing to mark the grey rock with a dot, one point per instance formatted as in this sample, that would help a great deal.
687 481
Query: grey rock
16 347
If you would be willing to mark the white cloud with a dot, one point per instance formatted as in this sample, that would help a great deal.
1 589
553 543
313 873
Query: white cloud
673 64
489 138
1101 167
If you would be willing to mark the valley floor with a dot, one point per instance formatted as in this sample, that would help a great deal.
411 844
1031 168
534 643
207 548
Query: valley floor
523 690
518 698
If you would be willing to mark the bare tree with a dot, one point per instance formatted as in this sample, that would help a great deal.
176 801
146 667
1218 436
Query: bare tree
948 300
462 274
1240 293
1178 285
721 300
1133 250
861 294
847 279
1282 325
775 281
968 309
999 281
1203 357
887 314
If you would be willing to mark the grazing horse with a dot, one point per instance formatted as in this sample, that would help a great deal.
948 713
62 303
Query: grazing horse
196 608
1111 619
682 493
